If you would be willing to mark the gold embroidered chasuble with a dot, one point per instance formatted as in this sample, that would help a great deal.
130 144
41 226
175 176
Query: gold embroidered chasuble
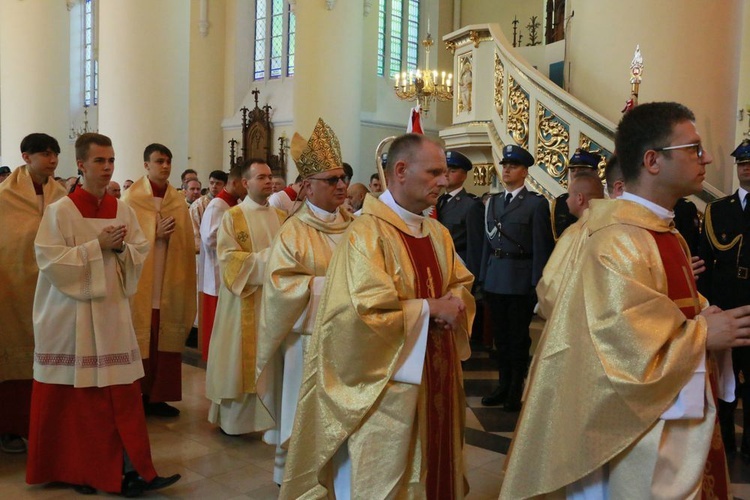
19 219
614 355
300 252
559 264
243 248
178 304
348 395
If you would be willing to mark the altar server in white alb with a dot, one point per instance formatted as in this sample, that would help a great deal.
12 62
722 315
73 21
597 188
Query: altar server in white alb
87 422
243 247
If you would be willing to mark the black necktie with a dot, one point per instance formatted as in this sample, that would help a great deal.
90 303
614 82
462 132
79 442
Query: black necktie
442 201
746 210
508 197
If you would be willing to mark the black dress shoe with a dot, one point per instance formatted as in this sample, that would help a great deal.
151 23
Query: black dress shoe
496 398
132 485
162 482
84 489
160 410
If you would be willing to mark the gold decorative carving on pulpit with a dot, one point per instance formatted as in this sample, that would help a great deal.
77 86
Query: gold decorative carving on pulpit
499 82
483 174
518 113
588 144
552 143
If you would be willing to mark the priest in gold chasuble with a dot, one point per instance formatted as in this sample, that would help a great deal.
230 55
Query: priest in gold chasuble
621 400
381 408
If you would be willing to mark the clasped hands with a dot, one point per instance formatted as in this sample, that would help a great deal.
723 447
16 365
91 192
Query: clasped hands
447 312
730 328
112 237
165 227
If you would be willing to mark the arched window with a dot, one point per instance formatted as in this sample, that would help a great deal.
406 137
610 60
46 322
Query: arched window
84 66
274 39
398 36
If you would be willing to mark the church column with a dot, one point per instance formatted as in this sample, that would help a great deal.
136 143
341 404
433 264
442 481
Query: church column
34 77
691 54
144 81
328 70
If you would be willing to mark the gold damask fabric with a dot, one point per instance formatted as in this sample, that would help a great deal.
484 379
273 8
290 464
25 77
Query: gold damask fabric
19 219
300 252
347 393
320 153
561 261
178 304
614 355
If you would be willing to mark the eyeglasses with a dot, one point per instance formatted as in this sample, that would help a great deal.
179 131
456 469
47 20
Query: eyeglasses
332 181
697 145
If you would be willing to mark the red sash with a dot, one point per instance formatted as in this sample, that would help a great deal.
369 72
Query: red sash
441 379
682 290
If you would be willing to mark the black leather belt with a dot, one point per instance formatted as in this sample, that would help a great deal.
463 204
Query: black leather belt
501 254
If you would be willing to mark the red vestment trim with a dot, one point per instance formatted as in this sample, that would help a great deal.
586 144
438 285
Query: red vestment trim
159 192
78 435
16 398
90 206
208 304
291 193
681 286
39 188
441 377
163 370
231 200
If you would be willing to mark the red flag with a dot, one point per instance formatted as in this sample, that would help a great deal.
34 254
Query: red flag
414 125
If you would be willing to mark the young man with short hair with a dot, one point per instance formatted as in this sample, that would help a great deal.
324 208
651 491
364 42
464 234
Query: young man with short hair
24 196
164 306
87 426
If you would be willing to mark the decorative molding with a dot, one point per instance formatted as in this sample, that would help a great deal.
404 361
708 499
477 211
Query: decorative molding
465 83
368 7
499 83
553 143
293 6
330 4
588 144
69 4
483 174
518 113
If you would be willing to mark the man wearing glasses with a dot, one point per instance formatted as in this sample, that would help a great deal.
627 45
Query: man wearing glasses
622 393
726 283
295 275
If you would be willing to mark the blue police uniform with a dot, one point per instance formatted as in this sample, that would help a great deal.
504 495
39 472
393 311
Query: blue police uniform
518 242
726 283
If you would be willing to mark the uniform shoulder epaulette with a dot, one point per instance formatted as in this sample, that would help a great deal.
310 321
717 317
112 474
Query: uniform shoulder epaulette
718 200
472 196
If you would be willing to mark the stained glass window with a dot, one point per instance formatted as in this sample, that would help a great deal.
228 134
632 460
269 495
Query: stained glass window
398 36
90 64
290 44
274 39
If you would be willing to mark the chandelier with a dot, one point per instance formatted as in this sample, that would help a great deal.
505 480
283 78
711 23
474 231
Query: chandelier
424 85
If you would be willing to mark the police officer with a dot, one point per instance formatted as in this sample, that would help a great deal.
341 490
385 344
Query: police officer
456 207
518 242
726 283
581 163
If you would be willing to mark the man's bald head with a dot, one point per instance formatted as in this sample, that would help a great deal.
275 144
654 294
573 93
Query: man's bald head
113 188
356 194
581 190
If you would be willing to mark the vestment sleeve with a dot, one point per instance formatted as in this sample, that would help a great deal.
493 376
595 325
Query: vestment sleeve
649 350
210 225
130 260
73 266
242 272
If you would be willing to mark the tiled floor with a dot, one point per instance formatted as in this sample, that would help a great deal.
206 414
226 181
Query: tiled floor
215 466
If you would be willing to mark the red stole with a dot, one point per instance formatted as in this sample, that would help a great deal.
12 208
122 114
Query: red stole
682 290
291 193
441 378
224 195
90 207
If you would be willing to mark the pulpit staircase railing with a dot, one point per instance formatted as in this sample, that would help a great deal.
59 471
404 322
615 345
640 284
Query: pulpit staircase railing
500 99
